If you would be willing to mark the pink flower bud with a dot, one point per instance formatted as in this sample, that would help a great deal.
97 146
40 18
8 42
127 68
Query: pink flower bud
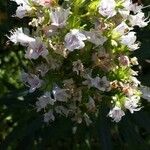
46 2
124 60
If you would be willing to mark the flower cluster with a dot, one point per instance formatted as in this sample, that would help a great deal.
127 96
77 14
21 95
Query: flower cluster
80 53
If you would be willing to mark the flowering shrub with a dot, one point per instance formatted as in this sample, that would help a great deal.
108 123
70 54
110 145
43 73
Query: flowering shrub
80 56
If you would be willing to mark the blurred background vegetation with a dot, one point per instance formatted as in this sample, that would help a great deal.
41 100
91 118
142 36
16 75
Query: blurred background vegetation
22 128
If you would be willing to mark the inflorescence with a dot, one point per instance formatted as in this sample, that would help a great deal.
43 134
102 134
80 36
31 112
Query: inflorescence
80 56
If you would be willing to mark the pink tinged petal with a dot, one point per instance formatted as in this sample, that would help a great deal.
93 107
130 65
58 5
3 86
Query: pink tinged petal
45 2
124 60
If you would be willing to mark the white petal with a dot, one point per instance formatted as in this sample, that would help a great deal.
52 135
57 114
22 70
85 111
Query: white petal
145 92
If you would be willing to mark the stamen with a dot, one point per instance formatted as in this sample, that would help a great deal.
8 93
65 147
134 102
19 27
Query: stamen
146 7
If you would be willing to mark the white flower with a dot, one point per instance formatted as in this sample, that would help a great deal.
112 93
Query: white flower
60 94
59 17
44 100
91 104
135 81
129 40
50 30
18 36
128 7
21 2
62 110
32 81
74 40
132 103
122 28
126 4
103 84
124 13
138 20
23 8
100 83
49 116
36 49
91 82
116 114
21 12
145 92
87 119
136 8
133 73
134 61
129 90
107 8
95 37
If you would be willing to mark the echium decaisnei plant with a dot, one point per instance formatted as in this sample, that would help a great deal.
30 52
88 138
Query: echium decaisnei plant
80 56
